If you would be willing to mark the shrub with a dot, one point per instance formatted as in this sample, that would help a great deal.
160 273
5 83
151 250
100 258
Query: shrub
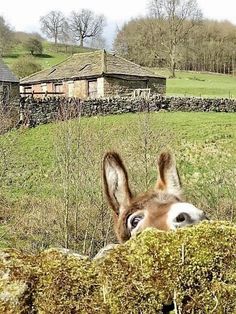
34 46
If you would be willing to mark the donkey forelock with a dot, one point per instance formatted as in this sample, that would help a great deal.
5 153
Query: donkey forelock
161 207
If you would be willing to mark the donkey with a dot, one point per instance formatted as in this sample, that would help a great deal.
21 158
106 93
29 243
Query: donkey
161 207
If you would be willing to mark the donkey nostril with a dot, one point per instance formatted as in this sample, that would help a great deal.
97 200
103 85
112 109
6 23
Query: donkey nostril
181 218
204 217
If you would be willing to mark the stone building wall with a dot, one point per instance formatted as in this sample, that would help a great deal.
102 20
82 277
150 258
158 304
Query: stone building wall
35 111
157 85
9 92
37 88
106 87
9 105
119 87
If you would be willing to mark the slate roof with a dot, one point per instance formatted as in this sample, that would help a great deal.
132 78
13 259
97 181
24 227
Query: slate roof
6 75
88 65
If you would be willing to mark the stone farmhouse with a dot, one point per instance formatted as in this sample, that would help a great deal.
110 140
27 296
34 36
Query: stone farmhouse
9 85
93 75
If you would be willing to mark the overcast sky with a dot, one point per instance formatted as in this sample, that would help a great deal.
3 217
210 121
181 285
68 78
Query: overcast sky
23 15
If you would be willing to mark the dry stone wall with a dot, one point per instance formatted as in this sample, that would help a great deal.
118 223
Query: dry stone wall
41 111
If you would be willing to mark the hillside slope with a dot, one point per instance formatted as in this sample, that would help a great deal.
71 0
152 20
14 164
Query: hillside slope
50 56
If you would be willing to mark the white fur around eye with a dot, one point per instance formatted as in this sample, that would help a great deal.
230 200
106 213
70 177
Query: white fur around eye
176 209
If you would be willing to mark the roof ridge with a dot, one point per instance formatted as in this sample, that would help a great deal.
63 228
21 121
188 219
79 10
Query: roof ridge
137 65
87 52
104 61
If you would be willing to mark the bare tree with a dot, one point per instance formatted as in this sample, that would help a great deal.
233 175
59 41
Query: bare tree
140 33
53 25
175 20
66 37
85 24
208 46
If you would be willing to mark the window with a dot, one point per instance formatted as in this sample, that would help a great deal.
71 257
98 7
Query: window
70 89
44 87
58 88
27 89
92 89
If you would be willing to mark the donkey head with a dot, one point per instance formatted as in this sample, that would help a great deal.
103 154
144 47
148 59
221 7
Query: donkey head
161 207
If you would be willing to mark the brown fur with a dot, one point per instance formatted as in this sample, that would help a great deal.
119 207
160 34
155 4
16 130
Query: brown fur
113 157
157 206
165 163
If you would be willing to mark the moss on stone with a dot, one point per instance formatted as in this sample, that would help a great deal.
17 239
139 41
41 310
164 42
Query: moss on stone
18 279
195 266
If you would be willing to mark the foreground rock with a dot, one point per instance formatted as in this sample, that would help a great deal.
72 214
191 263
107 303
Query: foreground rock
195 267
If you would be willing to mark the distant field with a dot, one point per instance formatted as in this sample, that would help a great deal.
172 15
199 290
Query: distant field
200 84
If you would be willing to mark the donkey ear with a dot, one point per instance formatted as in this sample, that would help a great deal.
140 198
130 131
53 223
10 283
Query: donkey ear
116 182
169 180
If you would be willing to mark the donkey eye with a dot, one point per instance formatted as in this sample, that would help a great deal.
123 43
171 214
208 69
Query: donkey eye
135 220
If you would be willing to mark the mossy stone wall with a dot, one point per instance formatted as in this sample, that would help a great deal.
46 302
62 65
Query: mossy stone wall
194 267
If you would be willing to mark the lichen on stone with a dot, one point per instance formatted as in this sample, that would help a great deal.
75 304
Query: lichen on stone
195 267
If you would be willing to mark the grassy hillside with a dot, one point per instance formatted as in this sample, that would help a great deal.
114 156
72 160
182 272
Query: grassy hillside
51 182
50 56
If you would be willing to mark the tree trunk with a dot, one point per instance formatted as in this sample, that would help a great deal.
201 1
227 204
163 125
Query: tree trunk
233 65
81 41
172 61
55 43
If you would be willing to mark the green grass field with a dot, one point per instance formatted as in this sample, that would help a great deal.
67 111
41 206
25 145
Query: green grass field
32 152
199 84
56 169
